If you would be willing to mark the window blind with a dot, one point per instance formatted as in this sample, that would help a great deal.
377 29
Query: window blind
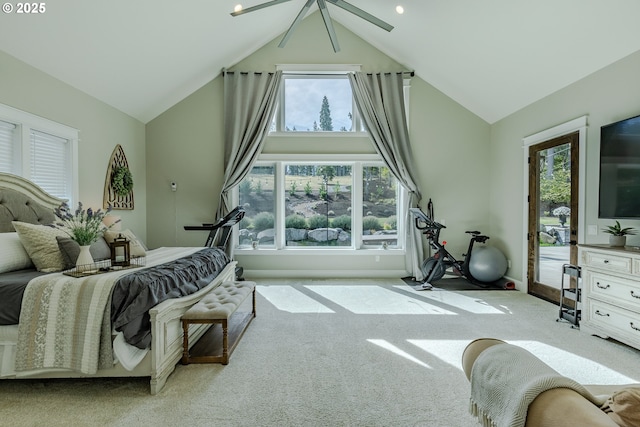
7 147
50 163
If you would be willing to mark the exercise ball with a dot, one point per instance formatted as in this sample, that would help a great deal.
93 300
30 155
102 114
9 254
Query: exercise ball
487 264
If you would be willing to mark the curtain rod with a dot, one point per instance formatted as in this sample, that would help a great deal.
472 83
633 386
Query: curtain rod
225 71
411 73
338 73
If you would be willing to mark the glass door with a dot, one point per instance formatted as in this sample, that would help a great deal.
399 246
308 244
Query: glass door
553 214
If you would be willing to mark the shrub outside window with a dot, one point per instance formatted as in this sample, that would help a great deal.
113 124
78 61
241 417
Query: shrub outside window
318 205
379 207
306 205
256 194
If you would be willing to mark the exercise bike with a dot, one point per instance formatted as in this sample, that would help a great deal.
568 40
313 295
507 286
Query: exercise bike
479 270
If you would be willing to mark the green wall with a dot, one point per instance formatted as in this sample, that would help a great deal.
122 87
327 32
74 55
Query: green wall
473 171
606 96
101 128
185 145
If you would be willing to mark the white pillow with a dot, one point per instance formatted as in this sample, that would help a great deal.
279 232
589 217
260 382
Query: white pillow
41 245
135 246
13 256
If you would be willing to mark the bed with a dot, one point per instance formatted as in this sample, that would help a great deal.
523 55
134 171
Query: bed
151 350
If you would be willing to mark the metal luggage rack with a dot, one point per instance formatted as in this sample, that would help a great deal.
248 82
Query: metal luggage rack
570 296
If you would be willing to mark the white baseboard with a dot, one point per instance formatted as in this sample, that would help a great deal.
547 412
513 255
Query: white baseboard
325 274
342 274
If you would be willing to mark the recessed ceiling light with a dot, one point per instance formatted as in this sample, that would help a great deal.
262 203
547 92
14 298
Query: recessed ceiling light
238 8
399 9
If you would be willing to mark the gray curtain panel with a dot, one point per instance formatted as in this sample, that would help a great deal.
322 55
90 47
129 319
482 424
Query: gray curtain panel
380 101
250 100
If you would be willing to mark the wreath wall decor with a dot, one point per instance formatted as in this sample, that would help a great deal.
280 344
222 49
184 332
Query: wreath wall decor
122 181
118 184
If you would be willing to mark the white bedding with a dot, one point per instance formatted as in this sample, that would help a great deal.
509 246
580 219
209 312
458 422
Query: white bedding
127 355
13 256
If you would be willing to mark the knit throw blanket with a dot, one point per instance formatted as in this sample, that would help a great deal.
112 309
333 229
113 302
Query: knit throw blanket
65 322
506 378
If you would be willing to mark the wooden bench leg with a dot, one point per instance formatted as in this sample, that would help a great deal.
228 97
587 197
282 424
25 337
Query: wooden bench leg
185 342
254 302
244 320
225 342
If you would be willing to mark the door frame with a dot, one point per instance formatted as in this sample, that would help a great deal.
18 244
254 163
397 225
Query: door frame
576 125
550 291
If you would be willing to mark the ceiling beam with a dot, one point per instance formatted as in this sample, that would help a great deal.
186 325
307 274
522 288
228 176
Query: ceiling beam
295 22
329 25
362 14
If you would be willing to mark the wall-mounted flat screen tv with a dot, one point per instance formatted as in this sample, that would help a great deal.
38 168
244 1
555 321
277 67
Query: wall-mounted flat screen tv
620 169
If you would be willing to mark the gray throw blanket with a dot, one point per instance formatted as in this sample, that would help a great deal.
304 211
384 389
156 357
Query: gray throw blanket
505 379
135 293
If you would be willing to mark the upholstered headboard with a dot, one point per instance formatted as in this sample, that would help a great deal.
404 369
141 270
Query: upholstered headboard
22 200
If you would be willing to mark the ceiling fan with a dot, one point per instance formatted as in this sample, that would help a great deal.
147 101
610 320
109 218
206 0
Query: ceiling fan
322 5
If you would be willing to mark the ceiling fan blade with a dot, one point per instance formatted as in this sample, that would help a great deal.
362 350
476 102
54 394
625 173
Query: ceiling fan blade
295 22
327 23
362 14
258 7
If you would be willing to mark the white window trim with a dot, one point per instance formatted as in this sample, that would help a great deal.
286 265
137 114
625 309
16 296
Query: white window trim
360 160
318 70
25 122
319 134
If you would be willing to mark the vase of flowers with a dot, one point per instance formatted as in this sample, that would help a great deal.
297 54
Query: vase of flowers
618 235
85 227
85 259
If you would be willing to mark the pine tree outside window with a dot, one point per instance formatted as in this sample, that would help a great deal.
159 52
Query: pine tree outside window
316 103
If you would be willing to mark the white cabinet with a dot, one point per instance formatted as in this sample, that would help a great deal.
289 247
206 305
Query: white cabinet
611 292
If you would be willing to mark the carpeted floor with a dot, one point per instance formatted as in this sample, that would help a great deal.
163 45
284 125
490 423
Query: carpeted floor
333 353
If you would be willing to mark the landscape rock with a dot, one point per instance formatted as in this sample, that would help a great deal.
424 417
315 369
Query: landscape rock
267 235
323 234
295 234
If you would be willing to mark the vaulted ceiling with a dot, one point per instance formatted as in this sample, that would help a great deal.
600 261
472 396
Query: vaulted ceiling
492 56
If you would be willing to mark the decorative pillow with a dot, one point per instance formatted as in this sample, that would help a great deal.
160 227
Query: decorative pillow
41 245
136 248
70 249
623 407
13 256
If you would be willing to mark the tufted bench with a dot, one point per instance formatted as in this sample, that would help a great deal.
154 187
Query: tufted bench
218 306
